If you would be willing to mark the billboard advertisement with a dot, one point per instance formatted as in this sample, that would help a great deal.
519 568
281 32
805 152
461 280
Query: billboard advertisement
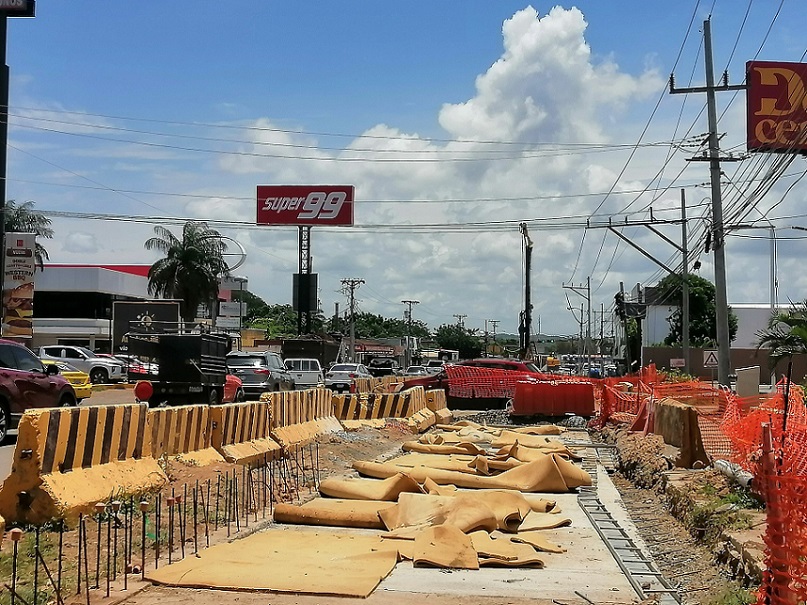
303 205
17 8
18 285
777 106
142 317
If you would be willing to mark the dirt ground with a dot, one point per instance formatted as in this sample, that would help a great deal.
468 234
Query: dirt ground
680 557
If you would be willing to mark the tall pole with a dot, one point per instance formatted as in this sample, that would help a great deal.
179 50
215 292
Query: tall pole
349 288
494 323
685 292
721 297
588 326
408 350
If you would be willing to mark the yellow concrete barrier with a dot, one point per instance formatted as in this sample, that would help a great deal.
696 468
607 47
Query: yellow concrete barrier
182 432
436 402
67 459
677 423
241 432
299 417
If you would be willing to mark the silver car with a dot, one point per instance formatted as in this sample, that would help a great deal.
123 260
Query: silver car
260 371
341 376
101 369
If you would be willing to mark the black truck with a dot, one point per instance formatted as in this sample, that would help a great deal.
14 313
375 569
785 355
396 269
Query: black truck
185 368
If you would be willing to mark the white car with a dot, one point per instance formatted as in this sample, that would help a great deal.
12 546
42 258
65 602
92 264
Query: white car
341 376
306 371
416 371
101 369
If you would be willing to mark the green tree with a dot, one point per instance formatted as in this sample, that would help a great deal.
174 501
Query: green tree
256 306
369 325
452 336
191 267
786 334
281 321
702 324
22 218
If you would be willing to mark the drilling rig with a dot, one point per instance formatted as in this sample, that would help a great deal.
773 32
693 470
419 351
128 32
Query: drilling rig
525 317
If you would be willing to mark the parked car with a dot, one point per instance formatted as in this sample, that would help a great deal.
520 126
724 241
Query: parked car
383 366
342 376
101 369
433 366
78 379
233 390
416 371
25 382
306 371
440 380
260 371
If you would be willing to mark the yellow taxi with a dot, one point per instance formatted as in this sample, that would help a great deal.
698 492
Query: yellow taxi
78 379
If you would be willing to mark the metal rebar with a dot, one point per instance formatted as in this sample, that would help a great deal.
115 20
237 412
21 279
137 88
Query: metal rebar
115 510
227 501
99 508
144 507
158 503
218 494
235 495
206 506
184 516
195 518
86 564
42 562
108 543
78 568
16 536
170 503
59 563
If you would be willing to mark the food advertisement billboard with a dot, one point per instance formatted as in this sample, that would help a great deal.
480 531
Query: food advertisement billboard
777 106
303 205
18 285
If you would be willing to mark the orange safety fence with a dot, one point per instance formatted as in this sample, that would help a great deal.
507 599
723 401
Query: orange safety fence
783 482
473 382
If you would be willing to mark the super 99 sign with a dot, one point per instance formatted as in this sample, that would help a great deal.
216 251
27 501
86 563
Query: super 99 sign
305 205
777 106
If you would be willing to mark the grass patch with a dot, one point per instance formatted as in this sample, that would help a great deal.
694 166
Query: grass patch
734 595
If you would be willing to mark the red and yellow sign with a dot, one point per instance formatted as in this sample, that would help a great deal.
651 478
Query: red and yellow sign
777 106
18 285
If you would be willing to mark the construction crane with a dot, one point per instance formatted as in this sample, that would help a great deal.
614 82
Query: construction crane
525 317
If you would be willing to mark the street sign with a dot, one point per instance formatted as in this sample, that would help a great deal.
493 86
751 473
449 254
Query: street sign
678 362
305 205
709 359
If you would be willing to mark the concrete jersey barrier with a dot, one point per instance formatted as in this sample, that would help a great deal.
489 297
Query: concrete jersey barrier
67 459
241 432
677 423
182 432
436 402
298 417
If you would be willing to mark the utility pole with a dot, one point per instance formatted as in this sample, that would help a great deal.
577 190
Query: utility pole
494 323
349 288
718 236
408 355
525 326
460 317
486 339
585 292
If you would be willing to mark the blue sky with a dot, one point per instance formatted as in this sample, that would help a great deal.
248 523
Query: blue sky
179 109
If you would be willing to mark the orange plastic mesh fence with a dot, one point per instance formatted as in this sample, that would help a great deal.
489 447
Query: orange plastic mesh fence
470 381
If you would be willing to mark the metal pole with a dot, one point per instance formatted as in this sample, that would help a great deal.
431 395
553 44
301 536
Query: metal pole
685 293
721 297
4 85
588 325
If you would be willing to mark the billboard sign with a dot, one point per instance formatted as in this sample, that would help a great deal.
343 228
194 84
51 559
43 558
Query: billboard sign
18 285
776 106
17 8
142 317
303 205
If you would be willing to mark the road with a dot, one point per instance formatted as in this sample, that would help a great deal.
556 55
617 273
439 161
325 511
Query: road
106 397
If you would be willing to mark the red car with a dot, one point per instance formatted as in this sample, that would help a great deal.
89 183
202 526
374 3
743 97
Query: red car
233 391
25 382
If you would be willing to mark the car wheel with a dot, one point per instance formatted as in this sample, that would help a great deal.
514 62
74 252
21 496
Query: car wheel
99 376
5 419
214 397
68 401
240 396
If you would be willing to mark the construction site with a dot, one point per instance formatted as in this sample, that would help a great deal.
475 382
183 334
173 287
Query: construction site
671 492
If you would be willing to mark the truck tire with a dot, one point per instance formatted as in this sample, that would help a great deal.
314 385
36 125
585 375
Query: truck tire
214 398
99 376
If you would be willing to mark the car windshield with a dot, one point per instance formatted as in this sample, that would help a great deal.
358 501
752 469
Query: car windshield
343 368
532 367
412 369
245 362
87 352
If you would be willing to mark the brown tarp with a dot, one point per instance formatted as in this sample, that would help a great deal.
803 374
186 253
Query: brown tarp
550 474
445 546
288 560
333 512
369 489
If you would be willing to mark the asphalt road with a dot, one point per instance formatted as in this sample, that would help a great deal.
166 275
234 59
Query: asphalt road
107 397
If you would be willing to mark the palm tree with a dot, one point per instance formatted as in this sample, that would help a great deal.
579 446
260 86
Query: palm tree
786 333
191 267
23 218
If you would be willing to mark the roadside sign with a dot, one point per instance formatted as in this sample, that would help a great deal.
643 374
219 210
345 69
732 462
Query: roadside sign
710 359
678 362
305 205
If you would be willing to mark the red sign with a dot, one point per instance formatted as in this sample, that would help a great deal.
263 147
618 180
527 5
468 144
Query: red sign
305 205
777 106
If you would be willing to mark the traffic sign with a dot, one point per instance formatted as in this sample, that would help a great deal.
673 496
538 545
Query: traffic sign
710 359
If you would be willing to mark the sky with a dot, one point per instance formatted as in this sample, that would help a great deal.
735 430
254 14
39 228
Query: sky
456 121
